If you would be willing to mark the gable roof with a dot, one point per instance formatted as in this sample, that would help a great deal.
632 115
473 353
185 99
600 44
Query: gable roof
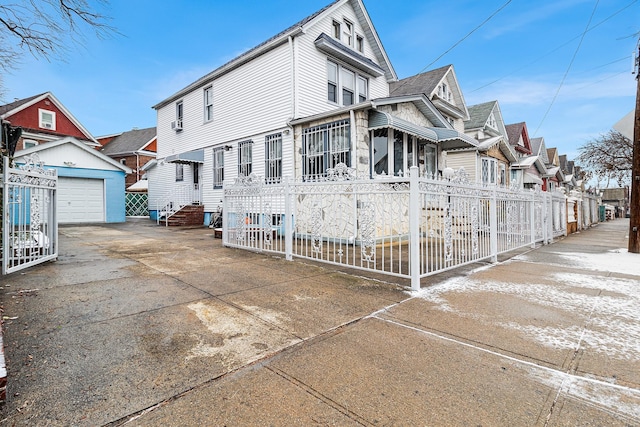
282 37
427 83
16 104
539 148
478 115
75 142
19 105
129 142
514 132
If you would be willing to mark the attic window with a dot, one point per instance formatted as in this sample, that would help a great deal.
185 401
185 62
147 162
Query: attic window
47 119
360 43
348 33
444 92
491 122
336 30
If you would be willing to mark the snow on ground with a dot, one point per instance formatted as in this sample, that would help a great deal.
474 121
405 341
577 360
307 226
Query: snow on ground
615 261
605 309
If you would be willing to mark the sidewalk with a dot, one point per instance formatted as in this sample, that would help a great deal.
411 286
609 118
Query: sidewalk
144 325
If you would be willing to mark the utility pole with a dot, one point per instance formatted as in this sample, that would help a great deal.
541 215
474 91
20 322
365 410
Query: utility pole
634 203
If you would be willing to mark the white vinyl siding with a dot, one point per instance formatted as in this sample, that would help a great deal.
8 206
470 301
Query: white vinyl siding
466 160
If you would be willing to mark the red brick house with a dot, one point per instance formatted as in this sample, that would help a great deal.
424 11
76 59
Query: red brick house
133 148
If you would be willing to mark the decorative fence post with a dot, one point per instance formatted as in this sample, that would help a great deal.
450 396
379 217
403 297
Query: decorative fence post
493 225
532 218
414 228
288 220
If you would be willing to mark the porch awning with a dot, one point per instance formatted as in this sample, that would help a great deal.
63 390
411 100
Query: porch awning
531 179
195 156
448 138
380 120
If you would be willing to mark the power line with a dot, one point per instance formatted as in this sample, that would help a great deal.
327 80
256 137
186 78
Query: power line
554 50
555 96
462 39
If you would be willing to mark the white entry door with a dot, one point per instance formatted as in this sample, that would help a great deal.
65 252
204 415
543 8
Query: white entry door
80 200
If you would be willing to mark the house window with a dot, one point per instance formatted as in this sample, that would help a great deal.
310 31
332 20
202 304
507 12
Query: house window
348 87
427 159
47 119
347 33
444 92
179 113
123 162
362 89
324 147
360 43
245 158
336 30
502 174
218 167
380 154
28 143
208 104
491 122
488 171
351 84
273 158
332 78
179 172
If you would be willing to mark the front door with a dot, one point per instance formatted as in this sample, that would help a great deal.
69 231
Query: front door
197 190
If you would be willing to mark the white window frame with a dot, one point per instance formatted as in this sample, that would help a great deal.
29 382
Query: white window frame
28 143
502 174
340 85
488 171
179 172
491 122
208 103
359 43
348 32
245 158
444 92
218 167
45 124
273 158
179 113
337 29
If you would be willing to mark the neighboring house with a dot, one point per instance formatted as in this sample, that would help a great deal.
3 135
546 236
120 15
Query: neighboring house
314 96
529 170
556 177
43 119
90 184
134 149
618 199
491 161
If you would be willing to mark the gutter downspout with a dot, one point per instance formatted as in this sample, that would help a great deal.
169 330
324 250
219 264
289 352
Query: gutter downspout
294 103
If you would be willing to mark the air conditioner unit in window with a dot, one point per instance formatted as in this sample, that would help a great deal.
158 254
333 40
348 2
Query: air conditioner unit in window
47 125
177 125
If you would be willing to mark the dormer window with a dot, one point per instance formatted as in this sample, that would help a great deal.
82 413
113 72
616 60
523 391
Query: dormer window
47 119
347 33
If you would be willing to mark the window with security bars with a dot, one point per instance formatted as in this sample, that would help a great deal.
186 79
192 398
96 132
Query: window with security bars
324 147
273 158
245 158
218 167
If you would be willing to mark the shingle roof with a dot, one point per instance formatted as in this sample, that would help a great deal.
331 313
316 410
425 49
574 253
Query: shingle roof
129 142
479 114
514 131
15 104
420 83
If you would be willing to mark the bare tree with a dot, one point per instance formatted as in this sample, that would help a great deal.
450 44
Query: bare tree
47 28
608 156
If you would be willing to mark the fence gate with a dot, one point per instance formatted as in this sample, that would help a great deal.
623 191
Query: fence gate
29 222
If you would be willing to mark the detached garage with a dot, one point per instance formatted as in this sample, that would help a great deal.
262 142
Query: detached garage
90 184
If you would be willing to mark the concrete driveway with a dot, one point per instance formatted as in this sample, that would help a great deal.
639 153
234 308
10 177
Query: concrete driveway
144 325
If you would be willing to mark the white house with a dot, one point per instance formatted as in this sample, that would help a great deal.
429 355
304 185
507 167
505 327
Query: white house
309 98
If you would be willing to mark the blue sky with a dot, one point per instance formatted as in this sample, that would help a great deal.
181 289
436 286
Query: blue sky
519 57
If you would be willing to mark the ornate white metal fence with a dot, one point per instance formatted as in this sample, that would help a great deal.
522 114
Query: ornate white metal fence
29 226
409 228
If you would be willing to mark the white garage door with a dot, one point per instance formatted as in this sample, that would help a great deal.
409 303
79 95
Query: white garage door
80 200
